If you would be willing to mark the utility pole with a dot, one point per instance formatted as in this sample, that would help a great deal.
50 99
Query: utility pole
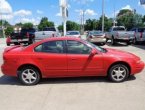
82 14
114 21
2 25
102 15
63 5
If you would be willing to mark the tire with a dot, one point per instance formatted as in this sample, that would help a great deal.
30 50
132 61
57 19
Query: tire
29 76
107 40
135 41
103 44
118 73
128 43
16 43
31 41
112 41
8 44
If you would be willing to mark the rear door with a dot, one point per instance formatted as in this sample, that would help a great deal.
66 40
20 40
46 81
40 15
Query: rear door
51 57
80 63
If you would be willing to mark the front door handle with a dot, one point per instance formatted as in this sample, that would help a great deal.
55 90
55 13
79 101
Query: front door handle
40 58
73 58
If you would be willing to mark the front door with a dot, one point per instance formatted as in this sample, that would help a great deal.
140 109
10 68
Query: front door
80 62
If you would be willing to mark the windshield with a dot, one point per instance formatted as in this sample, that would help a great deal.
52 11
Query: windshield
73 33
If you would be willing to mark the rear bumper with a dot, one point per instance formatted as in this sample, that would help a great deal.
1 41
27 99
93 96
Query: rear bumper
8 70
103 40
19 40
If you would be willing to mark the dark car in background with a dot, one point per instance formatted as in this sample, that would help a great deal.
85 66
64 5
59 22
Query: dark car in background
25 36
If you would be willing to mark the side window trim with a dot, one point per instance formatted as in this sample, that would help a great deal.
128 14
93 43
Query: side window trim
42 51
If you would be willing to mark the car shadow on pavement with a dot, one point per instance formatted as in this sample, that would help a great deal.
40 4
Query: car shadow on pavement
141 46
6 80
117 44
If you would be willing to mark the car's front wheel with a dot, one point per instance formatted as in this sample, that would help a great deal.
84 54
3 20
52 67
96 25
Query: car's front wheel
29 75
118 73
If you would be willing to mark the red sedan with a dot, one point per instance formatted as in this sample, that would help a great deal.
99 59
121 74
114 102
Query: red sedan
68 57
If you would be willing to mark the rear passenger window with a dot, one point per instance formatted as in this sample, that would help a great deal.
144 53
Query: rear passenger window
51 47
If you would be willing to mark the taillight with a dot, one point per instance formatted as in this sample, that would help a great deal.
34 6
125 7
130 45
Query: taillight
117 34
90 37
141 34
27 34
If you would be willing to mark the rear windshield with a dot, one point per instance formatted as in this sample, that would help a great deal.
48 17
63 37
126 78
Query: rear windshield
118 29
73 33
49 29
96 33
28 30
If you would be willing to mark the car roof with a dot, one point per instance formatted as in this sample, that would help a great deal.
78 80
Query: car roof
60 38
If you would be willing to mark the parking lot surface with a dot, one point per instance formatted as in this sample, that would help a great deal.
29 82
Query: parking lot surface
91 93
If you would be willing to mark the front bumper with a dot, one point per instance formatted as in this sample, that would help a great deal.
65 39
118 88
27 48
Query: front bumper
138 67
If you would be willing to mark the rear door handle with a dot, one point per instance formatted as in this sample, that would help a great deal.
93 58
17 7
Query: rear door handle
73 58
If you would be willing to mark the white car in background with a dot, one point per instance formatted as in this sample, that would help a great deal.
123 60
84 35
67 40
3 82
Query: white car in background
46 33
73 34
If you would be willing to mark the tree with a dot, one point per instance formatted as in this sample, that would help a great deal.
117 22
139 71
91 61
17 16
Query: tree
45 23
107 23
72 26
91 24
19 24
9 30
27 26
5 23
60 27
129 19
124 12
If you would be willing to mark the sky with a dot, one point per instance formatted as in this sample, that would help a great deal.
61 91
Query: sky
15 11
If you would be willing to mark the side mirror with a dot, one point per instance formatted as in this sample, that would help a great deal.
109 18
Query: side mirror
93 52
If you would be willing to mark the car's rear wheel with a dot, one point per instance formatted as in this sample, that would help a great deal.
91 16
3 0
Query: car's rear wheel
29 75
8 44
112 41
135 41
118 73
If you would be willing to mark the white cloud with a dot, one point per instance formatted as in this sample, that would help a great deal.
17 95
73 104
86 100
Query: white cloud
58 14
39 12
86 12
90 12
5 7
6 10
127 7
23 13
82 1
26 20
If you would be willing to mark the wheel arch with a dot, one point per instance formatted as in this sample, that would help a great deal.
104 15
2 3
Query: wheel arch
120 62
29 65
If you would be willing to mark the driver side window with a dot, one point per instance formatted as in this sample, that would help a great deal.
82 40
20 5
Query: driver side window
75 47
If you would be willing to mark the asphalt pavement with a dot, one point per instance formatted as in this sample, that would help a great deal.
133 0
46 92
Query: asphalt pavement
91 93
